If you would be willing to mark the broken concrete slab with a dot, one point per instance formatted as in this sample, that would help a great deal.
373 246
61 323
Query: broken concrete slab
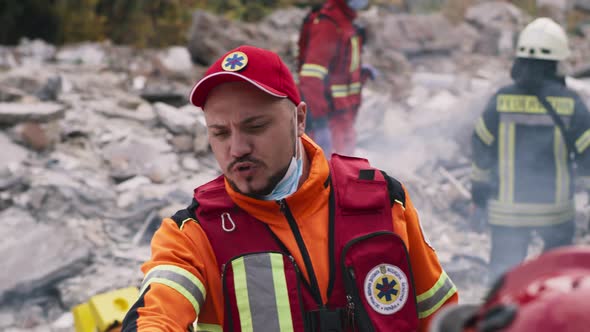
12 113
37 258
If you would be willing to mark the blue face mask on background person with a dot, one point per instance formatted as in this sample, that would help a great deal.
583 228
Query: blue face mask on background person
290 181
357 4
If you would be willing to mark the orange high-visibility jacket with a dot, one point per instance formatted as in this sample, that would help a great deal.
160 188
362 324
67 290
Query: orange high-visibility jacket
189 281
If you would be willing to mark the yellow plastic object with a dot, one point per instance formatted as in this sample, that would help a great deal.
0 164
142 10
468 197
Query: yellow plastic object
111 307
83 319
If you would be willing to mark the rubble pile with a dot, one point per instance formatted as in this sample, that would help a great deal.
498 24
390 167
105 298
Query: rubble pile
99 144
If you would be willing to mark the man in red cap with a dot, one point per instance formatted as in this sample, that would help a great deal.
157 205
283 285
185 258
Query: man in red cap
285 240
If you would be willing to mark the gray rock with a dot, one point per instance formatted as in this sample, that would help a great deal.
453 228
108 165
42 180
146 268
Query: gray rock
12 113
176 59
100 278
177 121
35 51
85 53
38 258
13 155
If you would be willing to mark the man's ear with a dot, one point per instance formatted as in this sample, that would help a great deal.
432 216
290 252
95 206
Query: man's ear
301 115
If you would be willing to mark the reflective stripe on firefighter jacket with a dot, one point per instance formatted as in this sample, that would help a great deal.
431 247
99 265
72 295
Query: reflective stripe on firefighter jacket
299 264
521 158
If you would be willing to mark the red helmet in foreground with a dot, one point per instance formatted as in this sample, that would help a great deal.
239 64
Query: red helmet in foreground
549 293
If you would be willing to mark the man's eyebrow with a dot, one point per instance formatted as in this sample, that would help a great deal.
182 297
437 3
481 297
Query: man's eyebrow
253 119
246 121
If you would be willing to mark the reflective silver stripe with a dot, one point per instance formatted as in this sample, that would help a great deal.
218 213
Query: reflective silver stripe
435 297
562 176
529 214
259 277
180 280
532 119
261 293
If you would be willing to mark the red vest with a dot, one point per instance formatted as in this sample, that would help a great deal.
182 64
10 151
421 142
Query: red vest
371 285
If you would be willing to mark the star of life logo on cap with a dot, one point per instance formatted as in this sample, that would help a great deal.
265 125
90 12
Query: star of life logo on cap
234 61
386 289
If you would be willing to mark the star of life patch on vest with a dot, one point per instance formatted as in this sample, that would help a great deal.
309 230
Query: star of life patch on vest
235 61
386 289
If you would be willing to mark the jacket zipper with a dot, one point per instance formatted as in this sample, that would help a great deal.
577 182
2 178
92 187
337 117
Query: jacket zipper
315 290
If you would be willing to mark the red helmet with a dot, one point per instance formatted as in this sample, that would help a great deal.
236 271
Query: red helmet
549 293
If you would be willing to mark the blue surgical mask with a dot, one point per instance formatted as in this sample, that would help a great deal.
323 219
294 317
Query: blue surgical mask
290 181
357 4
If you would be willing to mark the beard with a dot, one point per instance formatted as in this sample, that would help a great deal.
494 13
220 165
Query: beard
271 183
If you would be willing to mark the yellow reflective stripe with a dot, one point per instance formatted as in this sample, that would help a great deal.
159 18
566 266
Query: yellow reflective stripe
436 296
281 295
506 161
314 67
339 90
202 327
356 54
180 280
185 221
531 104
483 132
562 177
177 287
355 88
529 214
511 168
583 141
480 175
536 220
242 299
312 70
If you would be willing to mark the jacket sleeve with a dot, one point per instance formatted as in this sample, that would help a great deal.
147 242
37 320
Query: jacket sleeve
581 132
173 290
434 288
322 48
483 144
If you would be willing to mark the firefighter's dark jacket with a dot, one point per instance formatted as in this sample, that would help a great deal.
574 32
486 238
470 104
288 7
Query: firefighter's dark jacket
521 169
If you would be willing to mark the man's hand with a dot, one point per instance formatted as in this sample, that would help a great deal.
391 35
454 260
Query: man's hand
369 72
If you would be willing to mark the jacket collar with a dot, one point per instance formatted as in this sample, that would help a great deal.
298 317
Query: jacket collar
307 200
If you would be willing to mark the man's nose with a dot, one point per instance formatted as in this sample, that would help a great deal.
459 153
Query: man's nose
240 145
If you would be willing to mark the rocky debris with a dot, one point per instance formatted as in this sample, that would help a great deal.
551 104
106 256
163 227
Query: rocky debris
99 143
11 113
50 255
499 24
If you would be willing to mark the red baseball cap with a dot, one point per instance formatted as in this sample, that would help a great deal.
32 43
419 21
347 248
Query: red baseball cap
262 68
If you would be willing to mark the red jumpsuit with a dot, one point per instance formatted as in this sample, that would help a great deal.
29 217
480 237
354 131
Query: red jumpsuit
330 76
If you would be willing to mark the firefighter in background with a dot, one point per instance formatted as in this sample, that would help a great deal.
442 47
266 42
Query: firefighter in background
525 145
548 293
285 240
331 74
